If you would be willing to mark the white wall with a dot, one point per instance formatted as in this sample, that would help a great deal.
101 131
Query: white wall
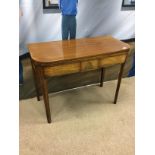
95 17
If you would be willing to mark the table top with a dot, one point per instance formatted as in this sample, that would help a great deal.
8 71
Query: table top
46 52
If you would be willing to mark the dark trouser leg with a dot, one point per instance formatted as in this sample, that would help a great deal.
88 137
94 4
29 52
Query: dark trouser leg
72 27
132 70
65 27
119 82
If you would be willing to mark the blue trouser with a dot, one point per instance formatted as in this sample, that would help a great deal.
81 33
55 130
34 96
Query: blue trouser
132 70
20 72
68 27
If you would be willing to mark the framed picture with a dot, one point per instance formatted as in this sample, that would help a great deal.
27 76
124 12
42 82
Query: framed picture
50 4
128 3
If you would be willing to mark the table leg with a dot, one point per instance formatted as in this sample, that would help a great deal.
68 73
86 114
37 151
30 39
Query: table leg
102 77
45 96
119 82
36 80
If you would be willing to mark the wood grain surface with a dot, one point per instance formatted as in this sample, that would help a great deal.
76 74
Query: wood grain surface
56 51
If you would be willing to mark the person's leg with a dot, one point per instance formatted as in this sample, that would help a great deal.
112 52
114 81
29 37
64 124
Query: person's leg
72 27
65 27
132 70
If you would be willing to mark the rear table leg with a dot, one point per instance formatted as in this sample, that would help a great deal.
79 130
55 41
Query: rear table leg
102 77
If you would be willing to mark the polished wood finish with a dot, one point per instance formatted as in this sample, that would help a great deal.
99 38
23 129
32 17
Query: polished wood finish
36 80
66 57
112 60
62 69
89 65
119 82
57 51
45 95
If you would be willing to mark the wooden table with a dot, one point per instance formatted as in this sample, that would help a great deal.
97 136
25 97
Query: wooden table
58 58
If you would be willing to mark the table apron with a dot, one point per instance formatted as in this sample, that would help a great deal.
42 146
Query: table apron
83 66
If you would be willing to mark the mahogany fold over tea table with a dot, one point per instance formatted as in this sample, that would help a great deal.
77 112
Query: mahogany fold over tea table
58 58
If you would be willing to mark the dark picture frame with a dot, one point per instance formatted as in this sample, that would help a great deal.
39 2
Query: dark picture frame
128 3
47 4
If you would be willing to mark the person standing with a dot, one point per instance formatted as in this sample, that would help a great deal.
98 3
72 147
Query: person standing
69 11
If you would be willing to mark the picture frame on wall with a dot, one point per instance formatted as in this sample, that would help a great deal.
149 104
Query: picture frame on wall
128 3
50 4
